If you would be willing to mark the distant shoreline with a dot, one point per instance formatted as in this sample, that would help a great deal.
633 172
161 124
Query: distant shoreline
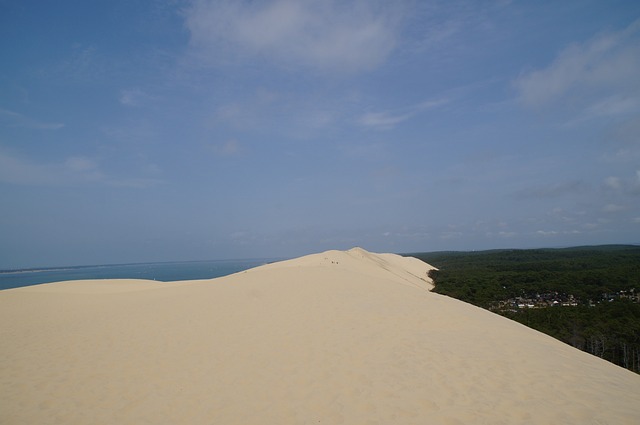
159 271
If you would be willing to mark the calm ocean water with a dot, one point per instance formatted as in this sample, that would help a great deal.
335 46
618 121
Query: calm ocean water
154 271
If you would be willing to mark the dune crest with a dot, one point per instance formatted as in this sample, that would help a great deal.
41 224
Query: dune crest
405 270
346 337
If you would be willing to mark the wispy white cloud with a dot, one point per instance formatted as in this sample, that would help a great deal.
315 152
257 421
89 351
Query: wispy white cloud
325 35
382 120
450 235
134 97
590 72
546 232
134 182
386 120
72 171
629 186
84 166
283 113
444 27
15 119
18 170
614 105
433 103
439 32
613 208
230 147
613 182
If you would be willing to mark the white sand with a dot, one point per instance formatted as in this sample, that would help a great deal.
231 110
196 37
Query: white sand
339 337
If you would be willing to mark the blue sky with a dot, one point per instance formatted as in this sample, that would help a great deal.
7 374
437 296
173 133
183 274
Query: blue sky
160 130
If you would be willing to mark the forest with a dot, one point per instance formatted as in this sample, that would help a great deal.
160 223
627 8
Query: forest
588 297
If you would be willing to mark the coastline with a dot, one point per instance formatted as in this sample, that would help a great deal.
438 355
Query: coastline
160 271
336 337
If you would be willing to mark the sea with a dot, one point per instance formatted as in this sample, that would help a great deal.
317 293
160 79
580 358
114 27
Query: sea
165 272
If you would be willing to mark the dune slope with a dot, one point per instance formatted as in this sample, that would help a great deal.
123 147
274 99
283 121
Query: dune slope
338 337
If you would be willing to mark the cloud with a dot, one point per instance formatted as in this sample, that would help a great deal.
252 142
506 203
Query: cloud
325 35
613 183
629 186
445 26
134 182
451 235
614 105
613 208
588 73
386 120
382 120
546 232
73 171
258 107
133 97
230 147
80 164
439 32
15 119
263 110
18 170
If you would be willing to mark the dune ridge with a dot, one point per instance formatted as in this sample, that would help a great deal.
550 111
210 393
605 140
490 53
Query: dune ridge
337 337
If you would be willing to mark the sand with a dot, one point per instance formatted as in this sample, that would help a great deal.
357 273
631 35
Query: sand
339 337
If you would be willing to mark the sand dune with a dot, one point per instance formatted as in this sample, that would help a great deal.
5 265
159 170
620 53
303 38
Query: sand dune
339 337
